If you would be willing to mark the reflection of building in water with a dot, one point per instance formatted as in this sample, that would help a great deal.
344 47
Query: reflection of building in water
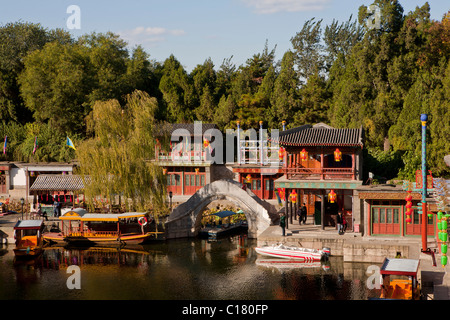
60 257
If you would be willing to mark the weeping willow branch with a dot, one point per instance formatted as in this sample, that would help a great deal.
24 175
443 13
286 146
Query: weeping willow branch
117 159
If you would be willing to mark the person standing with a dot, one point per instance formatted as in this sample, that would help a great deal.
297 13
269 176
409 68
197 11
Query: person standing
303 214
340 222
283 223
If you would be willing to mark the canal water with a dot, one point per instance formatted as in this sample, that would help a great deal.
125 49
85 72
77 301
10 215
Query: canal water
191 269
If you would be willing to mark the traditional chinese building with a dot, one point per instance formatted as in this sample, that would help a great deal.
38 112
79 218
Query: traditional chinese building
188 163
322 167
257 164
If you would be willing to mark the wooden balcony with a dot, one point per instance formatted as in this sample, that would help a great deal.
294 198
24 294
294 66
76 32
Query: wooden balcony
183 157
302 173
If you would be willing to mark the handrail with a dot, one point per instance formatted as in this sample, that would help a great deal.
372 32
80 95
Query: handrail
322 173
93 234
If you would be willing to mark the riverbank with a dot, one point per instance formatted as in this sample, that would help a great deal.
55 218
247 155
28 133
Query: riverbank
354 247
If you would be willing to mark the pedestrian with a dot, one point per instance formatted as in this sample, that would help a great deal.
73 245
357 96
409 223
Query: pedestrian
304 213
340 222
55 207
299 215
283 223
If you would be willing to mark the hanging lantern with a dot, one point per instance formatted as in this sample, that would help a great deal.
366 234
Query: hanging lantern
337 155
205 143
197 170
164 171
443 236
332 196
281 153
303 155
248 178
32 174
281 192
408 206
293 196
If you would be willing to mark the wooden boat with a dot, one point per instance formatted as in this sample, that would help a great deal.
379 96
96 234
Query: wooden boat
290 252
29 238
405 285
80 227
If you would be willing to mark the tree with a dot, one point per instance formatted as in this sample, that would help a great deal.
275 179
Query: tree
18 40
308 49
116 160
177 91
285 96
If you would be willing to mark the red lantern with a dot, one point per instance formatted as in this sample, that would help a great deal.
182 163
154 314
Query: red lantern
409 209
332 196
281 192
248 178
293 196
337 155
197 170
205 143
303 154
164 171
281 153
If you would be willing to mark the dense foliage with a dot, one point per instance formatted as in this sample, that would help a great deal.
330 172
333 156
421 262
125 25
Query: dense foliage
345 74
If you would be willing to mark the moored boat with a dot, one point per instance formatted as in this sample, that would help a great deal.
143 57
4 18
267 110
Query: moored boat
28 235
404 284
291 252
78 226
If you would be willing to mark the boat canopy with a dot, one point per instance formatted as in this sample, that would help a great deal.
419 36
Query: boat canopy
224 214
79 214
405 267
29 225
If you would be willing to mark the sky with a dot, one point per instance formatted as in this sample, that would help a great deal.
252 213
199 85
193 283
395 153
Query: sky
195 30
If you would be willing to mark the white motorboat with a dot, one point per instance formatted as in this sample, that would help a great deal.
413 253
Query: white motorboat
290 252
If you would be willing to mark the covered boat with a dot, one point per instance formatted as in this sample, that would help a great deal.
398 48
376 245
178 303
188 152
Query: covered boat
78 226
28 235
291 252
399 278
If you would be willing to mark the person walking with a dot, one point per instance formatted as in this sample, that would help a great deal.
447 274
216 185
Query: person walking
340 222
304 213
283 223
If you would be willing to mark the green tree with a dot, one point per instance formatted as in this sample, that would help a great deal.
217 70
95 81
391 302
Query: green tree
117 158
18 39
177 91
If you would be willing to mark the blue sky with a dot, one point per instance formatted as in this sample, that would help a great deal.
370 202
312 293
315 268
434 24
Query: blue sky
197 29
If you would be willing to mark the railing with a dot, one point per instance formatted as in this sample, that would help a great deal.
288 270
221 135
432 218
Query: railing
189 156
319 173
93 234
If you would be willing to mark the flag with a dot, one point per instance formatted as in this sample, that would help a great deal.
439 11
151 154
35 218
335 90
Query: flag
70 143
4 144
35 145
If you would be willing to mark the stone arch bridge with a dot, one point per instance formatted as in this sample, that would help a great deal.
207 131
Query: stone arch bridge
185 220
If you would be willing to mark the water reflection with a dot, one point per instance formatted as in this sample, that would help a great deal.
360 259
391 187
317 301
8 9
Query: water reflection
180 269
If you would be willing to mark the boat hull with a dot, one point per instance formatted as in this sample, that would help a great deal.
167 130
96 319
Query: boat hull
135 238
290 253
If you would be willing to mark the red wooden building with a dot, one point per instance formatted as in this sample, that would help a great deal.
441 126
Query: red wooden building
324 167
187 163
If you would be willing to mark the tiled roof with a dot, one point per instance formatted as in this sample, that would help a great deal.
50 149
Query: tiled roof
321 135
58 182
170 127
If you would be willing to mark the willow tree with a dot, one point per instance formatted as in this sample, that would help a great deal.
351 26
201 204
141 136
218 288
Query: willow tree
116 161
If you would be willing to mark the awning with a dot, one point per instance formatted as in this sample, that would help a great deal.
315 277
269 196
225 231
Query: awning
58 182
79 214
224 214
28 224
